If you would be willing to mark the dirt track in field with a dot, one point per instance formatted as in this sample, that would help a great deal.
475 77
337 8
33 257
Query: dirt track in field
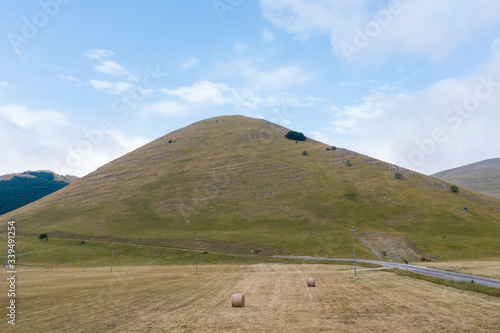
174 299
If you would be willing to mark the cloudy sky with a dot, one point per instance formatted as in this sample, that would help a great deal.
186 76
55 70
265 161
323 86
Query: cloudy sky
412 82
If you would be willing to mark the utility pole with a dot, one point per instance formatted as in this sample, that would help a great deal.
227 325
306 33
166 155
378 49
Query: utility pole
197 243
112 247
52 262
353 250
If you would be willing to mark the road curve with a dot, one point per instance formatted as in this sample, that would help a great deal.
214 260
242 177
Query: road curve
418 269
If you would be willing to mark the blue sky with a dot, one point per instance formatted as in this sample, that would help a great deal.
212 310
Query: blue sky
412 82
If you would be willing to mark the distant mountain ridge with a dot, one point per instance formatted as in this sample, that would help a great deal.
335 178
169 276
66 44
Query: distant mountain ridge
30 174
482 177
19 189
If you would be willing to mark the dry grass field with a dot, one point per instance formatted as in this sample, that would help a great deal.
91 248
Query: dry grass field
175 299
487 268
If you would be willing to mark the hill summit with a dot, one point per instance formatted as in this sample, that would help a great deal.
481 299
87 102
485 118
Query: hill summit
238 184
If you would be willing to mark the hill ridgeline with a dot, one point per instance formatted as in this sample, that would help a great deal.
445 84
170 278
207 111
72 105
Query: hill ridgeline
238 184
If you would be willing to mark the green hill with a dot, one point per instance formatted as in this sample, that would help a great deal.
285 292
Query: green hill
237 184
17 190
482 177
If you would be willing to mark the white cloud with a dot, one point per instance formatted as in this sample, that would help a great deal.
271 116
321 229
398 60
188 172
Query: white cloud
291 100
4 85
495 46
201 92
348 117
127 143
305 19
189 63
254 115
267 35
166 108
111 68
280 113
98 54
74 81
321 137
241 47
272 79
20 116
212 93
46 140
67 77
29 139
23 141
86 149
206 94
280 77
378 29
450 123
101 85
106 66
112 88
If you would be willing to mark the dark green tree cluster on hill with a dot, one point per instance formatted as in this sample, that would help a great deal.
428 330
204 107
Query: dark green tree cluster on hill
40 174
297 136
20 191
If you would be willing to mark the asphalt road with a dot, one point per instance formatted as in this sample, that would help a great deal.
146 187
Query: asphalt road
419 269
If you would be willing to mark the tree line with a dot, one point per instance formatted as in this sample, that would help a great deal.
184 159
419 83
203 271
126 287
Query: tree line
20 191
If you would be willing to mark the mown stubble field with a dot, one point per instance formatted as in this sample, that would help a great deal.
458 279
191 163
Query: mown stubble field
488 268
175 299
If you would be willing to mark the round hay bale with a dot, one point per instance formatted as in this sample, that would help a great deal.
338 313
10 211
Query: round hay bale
311 282
238 300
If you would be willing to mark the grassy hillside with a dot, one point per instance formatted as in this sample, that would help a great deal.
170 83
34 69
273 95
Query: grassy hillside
238 184
482 177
